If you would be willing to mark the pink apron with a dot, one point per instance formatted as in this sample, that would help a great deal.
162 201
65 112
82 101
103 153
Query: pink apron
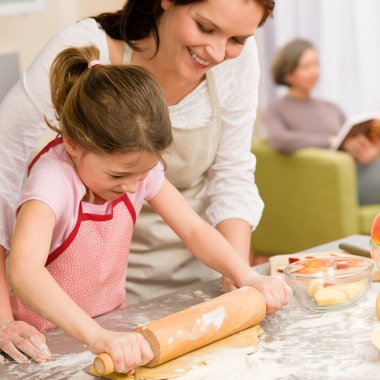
91 265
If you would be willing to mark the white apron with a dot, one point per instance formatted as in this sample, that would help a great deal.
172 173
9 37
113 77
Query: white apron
158 261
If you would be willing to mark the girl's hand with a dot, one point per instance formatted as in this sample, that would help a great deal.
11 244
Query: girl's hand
129 350
275 290
20 341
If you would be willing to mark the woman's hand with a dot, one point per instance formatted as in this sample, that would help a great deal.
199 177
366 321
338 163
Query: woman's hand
21 341
228 284
363 150
275 290
129 350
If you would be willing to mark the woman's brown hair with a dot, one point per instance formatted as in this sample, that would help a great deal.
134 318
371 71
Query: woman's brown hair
287 58
108 108
139 18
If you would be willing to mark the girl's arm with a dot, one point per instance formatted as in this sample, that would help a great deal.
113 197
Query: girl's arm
34 284
16 337
210 247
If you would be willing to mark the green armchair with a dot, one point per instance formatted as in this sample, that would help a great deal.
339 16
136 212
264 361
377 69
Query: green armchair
310 198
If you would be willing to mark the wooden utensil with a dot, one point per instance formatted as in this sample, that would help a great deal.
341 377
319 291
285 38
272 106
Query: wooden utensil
197 326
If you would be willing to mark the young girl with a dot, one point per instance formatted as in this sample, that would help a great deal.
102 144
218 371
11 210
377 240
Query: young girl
69 251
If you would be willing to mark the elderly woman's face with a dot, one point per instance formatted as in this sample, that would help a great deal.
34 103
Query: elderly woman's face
306 74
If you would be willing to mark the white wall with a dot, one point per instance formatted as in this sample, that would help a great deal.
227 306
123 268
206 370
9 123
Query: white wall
27 34
347 35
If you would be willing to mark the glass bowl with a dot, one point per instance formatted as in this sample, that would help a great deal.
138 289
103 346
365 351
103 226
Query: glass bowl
375 254
329 283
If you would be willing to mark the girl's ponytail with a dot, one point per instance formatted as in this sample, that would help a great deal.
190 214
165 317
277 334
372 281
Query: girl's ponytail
108 108
67 70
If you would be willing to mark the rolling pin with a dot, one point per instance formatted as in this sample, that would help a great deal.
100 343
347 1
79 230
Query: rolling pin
195 327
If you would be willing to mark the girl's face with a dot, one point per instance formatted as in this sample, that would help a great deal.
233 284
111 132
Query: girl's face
109 176
306 75
198 36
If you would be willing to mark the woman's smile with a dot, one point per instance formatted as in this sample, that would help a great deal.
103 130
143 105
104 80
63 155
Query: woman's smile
198 61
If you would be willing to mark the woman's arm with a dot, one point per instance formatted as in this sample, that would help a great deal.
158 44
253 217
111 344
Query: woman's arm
210 247
235 205
231 187
34 284
5 306
238 234
16 337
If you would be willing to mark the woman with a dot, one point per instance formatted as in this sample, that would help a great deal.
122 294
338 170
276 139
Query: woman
298 120
195 50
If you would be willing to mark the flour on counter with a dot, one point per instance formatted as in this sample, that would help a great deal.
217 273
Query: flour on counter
302 345
65 366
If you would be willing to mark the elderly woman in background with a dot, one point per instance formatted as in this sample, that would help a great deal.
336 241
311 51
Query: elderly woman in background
299 120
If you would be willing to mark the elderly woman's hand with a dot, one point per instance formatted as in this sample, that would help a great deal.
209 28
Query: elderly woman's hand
21 341
363 150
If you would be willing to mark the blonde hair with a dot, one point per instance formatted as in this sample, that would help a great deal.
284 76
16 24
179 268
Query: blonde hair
108 108
287 58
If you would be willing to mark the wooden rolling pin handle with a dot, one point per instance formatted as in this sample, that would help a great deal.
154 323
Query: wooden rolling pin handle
103 364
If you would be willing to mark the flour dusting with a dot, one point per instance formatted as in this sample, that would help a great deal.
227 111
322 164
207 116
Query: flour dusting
63 367
207 323
334 345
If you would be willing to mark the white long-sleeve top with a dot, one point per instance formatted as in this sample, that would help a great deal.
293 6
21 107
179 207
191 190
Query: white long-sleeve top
231 187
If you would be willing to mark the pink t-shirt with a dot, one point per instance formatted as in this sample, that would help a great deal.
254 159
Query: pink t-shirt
54 181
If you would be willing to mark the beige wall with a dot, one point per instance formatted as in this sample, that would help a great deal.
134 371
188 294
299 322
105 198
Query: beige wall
27 34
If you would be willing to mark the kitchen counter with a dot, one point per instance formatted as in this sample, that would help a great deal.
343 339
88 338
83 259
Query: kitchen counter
71 359
297 343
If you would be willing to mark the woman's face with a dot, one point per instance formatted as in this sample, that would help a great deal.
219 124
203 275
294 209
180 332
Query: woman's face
198 36
306 75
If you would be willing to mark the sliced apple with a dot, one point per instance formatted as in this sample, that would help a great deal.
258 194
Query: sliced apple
375 338
314 286
378 306
281 268
345 263
330 296
353 289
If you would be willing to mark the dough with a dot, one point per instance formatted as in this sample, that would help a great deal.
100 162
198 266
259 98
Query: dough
242 343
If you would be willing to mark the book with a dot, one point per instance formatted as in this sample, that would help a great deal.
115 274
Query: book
366 123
